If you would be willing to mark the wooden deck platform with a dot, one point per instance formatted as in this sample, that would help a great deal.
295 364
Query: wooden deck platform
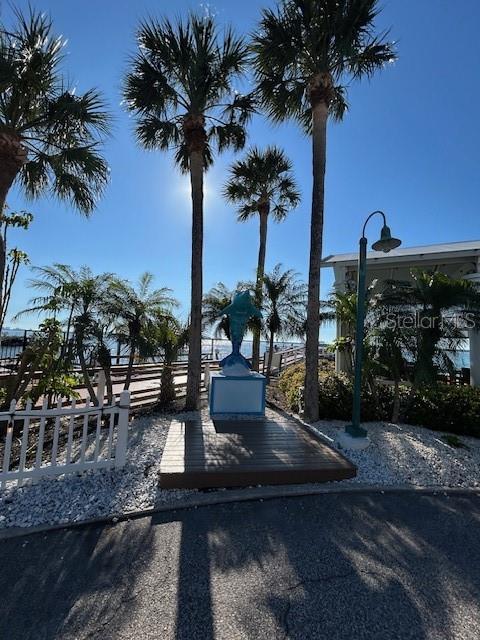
237 453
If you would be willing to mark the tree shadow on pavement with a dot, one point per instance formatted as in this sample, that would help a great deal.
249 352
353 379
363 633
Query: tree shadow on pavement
365 566
326 567
71 583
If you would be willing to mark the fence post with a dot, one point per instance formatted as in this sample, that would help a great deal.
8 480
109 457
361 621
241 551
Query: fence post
122 434
100 386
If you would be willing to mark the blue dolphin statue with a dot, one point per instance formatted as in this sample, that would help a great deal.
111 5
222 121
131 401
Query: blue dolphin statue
239 313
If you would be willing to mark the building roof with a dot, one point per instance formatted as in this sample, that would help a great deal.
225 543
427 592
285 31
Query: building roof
426 253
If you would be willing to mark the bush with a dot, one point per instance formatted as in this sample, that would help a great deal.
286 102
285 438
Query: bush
290 382
444 407
440 407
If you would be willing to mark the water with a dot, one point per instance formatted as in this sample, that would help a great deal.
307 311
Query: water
222 348
462 359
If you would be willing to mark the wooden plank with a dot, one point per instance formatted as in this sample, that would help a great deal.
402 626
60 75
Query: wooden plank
247 452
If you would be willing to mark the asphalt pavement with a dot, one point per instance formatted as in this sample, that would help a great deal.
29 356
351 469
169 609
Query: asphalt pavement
327 567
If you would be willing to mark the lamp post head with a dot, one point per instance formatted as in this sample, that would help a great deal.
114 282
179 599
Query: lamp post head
386 242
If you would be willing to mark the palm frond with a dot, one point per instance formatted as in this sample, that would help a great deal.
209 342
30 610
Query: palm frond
61 131
183 70
321 43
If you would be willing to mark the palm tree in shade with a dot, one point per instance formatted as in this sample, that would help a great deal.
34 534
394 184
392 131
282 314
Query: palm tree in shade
285 299
262 184
50 136
305 53
180 87
443 308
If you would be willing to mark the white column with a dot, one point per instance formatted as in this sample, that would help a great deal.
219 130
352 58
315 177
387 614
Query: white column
474 340
340 274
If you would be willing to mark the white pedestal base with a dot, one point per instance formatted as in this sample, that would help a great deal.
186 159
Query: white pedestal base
237 395
346 441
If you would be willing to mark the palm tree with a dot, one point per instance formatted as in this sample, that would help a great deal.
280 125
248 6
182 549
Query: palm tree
433 309
214 302
341 306
49 136
137 308
306 51
171 336
262 183
80 294
284 306
180 87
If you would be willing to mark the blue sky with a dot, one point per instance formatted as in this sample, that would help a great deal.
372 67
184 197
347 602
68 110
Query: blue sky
409 145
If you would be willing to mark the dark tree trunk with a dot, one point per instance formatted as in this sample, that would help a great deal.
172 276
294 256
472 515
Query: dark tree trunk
194 371
263 211
167 386
319 145
396 401
84 368
270 354
131 360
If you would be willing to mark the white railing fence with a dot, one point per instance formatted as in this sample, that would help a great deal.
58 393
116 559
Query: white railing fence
36 443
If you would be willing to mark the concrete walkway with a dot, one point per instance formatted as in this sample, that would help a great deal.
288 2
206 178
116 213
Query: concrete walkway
363 566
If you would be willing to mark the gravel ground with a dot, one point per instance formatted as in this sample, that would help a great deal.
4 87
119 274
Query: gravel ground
398 455
93 494
401 454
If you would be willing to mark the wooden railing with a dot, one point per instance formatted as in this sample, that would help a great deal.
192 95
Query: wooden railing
145 384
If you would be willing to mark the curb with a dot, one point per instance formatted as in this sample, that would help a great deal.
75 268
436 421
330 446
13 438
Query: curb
242 495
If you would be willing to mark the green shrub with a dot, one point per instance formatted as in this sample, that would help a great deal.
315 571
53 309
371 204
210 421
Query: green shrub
444 407
440 407
290 382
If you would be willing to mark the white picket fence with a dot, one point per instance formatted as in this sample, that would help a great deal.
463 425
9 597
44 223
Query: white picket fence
53 442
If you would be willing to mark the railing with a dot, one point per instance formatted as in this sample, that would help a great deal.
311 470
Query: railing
285 358
36 443
280 360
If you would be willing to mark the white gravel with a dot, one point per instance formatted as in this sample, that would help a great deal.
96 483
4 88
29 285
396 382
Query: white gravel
399 455
72 498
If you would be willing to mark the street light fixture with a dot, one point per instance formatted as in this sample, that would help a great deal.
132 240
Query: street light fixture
355 437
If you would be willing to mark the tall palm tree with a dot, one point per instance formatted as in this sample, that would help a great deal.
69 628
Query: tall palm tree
180 87
50 137
262 184
137 308
284 306
306 51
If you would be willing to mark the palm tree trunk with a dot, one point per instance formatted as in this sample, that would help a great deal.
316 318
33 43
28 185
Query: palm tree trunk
131 360
167 385
396 401
263 211
270 353
319 148
83 367
109 385
194 370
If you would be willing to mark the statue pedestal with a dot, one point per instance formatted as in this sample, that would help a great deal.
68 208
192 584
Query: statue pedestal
237 394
